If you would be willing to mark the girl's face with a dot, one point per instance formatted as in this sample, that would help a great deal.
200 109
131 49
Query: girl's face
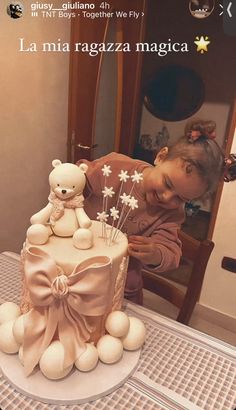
168 185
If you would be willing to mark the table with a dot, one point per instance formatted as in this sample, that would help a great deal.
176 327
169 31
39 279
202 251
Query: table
179 369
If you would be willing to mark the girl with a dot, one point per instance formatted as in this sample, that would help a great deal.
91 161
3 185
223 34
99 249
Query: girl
182 172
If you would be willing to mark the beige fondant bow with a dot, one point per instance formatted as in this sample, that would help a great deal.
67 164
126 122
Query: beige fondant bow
62 304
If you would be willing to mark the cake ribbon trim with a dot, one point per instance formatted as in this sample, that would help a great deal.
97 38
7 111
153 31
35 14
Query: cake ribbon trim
63 304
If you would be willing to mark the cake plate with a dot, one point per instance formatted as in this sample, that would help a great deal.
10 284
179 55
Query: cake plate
77 388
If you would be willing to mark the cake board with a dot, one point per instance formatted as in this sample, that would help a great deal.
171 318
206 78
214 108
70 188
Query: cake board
76 388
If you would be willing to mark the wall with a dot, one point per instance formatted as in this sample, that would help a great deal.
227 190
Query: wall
219 286
33 119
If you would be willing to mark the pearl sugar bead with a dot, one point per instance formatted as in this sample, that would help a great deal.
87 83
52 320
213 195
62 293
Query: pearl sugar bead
117 324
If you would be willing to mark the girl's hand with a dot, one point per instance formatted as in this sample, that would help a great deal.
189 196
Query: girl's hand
145 250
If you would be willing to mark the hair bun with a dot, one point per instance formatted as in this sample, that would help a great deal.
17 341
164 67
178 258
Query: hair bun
230 168
203 129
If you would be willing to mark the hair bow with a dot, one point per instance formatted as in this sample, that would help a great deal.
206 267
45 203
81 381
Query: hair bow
230 168
194 135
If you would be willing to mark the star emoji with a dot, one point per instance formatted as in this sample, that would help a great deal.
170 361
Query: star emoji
202 43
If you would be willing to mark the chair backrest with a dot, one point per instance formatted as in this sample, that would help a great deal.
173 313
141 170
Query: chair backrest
195 252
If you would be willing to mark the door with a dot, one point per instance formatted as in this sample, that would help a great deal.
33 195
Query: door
104 86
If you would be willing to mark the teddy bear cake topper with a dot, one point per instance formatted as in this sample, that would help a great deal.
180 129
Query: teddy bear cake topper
64 214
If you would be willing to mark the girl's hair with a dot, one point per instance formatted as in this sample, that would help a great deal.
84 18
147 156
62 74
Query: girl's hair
200 151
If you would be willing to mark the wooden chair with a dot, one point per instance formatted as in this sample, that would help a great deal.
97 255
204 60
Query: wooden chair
196 254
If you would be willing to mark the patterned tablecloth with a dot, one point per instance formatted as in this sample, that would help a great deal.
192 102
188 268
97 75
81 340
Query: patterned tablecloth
180 368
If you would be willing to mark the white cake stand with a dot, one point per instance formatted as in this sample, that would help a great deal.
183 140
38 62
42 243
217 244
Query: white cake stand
77 388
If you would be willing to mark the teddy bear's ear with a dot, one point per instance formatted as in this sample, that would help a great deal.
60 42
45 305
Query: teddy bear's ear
55 163
83 168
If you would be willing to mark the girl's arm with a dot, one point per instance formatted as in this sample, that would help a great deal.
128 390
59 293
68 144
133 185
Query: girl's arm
162 249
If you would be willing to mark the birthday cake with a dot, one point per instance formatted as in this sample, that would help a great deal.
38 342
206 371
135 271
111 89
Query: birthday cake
73 278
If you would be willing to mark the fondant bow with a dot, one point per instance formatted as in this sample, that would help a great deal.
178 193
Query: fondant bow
63 304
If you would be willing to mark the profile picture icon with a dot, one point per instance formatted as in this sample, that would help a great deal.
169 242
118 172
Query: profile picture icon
15 10
201 9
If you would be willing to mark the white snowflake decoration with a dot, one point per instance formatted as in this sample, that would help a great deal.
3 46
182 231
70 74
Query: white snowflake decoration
133 203
123 176
102 216
125 198
137 177
108 192
106 170
114 213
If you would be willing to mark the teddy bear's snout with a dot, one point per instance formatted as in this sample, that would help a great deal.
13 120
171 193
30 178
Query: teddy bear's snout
64 192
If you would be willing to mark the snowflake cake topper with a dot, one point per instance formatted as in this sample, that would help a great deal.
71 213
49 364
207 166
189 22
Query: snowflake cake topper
102 216
106 170
123 176
114 213
137 177
125 198
108 192
133 203
118 214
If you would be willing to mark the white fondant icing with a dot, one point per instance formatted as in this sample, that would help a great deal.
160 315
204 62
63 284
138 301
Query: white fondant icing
51 362
110 349
135 336
117 324
8 343
20 355
88 360
67 256
9 311
18 329
38 234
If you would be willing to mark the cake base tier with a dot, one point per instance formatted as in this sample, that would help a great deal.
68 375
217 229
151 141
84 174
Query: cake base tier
77 388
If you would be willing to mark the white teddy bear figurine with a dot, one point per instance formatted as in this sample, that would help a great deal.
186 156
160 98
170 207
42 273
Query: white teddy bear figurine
64 214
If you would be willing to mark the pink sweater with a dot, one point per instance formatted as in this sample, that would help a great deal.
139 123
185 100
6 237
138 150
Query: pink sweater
158 223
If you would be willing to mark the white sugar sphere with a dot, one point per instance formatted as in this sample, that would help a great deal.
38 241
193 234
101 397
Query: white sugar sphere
110 349
9 311
8 344
135 336
37 234
88 359
117 324
20 355
51 362
18 329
